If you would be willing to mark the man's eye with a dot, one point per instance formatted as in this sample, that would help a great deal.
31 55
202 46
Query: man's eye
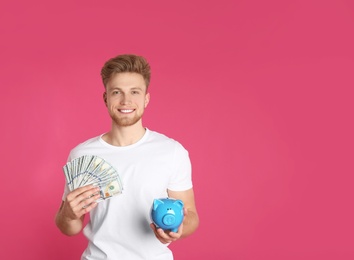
135 92
115 92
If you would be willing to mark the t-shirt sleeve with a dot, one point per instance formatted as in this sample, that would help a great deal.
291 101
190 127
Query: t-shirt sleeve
181 178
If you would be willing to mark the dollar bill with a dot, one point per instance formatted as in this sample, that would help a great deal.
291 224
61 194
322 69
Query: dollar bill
91 169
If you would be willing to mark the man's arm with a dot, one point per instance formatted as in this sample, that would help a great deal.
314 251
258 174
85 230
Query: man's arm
190 221
191 218
70 216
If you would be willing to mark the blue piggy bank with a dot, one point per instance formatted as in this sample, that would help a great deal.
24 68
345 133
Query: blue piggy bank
167 213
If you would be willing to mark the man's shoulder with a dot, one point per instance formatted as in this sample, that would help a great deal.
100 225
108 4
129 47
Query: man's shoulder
156 136
90 144
162 139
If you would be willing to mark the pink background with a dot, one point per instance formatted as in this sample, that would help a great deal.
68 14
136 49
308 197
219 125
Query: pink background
259 92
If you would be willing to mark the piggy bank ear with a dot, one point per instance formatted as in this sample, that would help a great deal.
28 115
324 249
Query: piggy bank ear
179 203
157 203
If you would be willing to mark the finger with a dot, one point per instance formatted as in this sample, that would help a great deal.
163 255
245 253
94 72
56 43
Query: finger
179 231
159 232
153 227
88 195
163 234
173 236
75 197
86 202
180 228
89 207
164 237
85 189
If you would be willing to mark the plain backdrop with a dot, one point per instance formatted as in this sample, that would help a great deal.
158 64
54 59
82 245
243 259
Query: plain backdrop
259 92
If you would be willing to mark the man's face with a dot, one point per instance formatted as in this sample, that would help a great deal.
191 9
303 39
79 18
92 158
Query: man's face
126 98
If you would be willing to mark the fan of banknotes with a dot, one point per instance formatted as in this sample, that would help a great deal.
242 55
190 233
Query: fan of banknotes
91 169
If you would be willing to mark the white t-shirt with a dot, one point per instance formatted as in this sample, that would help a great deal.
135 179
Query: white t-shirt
119 227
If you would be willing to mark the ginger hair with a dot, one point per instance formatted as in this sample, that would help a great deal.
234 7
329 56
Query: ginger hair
126 63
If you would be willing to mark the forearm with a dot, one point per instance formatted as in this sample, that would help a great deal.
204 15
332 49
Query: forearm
190 223
67 226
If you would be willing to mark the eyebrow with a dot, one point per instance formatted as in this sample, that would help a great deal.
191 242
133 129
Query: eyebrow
134 88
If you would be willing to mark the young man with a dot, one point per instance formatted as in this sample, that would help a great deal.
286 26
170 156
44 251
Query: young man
150 166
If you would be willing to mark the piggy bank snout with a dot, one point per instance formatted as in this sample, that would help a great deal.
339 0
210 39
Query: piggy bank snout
169 219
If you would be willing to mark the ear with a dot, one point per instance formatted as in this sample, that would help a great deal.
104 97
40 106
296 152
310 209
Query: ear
147 99
105 98
156 203
179 202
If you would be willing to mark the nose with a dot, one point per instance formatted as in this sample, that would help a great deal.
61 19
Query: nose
125 99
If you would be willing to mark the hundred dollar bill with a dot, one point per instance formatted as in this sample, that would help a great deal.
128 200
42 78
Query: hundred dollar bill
91 169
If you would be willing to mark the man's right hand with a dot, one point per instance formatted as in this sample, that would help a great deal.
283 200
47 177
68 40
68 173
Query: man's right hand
80 201
71 214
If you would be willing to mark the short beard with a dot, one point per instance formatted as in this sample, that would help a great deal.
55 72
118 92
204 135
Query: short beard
124 122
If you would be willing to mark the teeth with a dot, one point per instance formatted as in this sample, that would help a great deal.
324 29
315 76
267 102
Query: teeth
126 110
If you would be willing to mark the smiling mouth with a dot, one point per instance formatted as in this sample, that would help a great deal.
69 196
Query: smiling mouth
125 111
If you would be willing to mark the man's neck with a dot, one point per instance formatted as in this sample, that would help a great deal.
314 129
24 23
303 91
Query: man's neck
124 136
